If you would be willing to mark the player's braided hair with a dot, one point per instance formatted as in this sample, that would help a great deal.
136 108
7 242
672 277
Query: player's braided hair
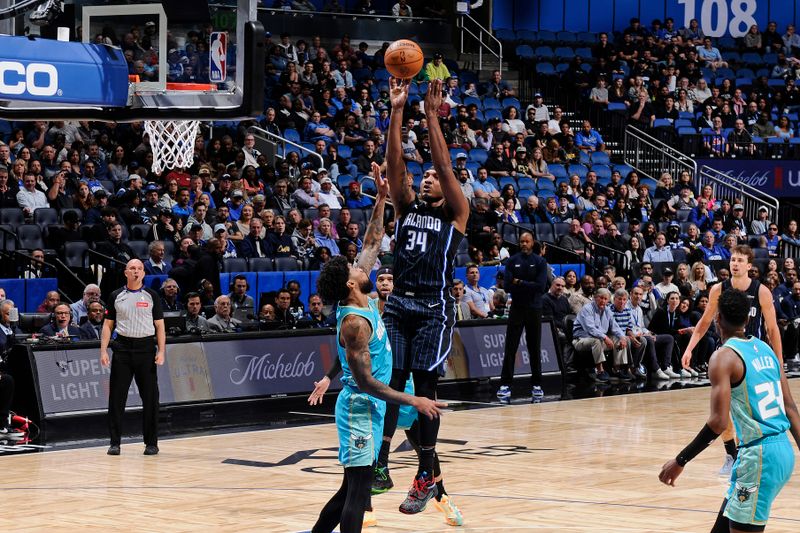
332 281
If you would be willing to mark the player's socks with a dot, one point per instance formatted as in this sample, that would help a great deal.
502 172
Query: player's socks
440 490
427 457
383 454
730 448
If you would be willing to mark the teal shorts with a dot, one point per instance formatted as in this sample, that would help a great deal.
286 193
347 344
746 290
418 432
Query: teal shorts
758 475
408 414
359 422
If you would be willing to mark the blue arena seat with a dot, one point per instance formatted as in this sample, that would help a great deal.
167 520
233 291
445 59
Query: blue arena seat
15 291
36 290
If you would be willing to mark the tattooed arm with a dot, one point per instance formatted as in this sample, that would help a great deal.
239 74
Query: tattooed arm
355 334
374 233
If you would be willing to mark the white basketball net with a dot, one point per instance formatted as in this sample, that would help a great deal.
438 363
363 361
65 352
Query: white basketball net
172 142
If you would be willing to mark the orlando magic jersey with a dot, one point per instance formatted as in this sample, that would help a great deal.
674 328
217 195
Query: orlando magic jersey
379 347
757 406
755 325
424 252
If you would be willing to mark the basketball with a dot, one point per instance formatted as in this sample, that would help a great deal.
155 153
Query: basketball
404 59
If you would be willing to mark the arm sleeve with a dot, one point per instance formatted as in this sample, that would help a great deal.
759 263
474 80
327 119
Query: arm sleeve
158 311
111 311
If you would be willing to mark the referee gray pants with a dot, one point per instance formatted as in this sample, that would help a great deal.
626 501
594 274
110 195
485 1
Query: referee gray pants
133 359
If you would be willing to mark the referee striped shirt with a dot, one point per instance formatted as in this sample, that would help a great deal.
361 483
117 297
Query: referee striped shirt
134 312
623 318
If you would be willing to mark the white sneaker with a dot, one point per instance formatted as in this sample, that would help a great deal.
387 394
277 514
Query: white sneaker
671 373
661 375
727 468
685 374
693 372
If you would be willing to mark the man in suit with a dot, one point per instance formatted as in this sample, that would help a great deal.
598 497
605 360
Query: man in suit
253 245
61 326
462 307
90 330
156 265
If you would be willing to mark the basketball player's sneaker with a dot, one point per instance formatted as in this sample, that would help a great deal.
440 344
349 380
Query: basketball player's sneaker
726 469
504 392
537 394
452 515
422 490
381 481
370 520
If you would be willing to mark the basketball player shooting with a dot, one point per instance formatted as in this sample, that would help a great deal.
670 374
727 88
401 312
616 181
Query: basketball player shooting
762 325
420 313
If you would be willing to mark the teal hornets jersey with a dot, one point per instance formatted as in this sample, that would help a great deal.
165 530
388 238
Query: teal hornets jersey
379 347
757 405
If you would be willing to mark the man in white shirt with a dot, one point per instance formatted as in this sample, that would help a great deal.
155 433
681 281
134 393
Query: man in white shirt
29 197
542 113
328 194
479 299
666 286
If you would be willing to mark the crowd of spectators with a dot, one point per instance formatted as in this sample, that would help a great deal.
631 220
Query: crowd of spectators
717 97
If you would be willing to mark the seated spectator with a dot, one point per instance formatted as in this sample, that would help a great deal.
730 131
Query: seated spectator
436 69
323 237
280 242
712 251
51 300
253 245
355 198
711 55
740 143
555 305
666 285
79 309
238 296
576 240
351 236
483 187
222 321
579 298
588 139
155 264
498 163
659 252
195 322
283 309
595 329
478 299
169 296
305 197
61 324
91 329
115 248
29 197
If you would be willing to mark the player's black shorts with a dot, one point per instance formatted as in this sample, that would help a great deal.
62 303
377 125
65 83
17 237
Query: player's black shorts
420 331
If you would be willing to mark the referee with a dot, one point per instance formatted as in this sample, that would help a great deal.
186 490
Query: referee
136 312
526 280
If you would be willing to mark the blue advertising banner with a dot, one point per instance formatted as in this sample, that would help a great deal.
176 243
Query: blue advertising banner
779 178
70 379
59 72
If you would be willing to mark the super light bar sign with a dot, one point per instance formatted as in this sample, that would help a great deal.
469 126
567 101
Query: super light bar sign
721 17
62 72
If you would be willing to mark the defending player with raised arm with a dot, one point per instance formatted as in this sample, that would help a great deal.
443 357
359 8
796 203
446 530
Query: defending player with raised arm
748 383
762 324
365 355
369 254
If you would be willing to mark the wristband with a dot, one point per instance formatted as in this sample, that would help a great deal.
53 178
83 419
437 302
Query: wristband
702 441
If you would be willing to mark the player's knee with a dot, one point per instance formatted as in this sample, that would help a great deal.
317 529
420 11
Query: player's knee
425 383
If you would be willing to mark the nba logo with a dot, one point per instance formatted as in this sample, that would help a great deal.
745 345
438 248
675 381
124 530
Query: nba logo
217 57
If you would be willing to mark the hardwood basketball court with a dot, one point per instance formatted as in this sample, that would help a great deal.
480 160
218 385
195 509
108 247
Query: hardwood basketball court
569 466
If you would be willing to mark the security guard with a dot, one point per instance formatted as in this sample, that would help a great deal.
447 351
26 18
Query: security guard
136 312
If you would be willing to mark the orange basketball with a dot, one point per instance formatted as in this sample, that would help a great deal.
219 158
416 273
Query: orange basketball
403 59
